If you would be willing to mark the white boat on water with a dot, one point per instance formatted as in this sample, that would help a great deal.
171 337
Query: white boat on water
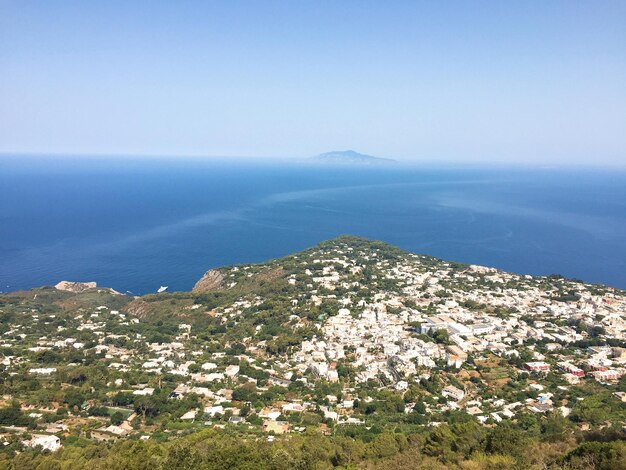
162 289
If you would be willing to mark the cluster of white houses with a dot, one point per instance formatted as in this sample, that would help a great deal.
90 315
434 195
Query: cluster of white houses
387 335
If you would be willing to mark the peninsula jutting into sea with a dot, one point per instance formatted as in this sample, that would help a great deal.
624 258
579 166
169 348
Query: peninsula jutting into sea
291 235
321 357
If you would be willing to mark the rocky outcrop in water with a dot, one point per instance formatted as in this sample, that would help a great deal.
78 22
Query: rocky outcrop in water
75 287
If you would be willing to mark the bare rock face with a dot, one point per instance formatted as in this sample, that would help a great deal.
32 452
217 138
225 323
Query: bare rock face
75 287
211 280
138 308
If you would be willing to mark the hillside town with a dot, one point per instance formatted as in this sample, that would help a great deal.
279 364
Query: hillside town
349 334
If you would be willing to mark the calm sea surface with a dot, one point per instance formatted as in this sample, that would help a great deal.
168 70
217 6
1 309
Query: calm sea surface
137 224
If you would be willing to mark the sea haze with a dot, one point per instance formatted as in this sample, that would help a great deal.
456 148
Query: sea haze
137 224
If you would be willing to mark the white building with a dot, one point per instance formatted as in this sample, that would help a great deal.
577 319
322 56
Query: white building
47 442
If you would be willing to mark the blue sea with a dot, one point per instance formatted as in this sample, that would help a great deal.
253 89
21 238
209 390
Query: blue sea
135 224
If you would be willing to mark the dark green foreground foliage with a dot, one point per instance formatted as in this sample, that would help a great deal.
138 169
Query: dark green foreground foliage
463 446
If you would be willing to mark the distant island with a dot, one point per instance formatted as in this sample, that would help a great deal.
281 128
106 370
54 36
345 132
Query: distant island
350 157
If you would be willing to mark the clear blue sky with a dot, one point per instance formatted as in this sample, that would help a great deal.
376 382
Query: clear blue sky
535 81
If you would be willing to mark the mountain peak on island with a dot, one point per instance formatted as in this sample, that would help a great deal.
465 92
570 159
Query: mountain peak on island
351 157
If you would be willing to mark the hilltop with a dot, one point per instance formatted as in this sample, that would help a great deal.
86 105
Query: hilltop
350 157
351 345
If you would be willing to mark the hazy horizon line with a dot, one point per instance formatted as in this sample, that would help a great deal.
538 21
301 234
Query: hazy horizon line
233 158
